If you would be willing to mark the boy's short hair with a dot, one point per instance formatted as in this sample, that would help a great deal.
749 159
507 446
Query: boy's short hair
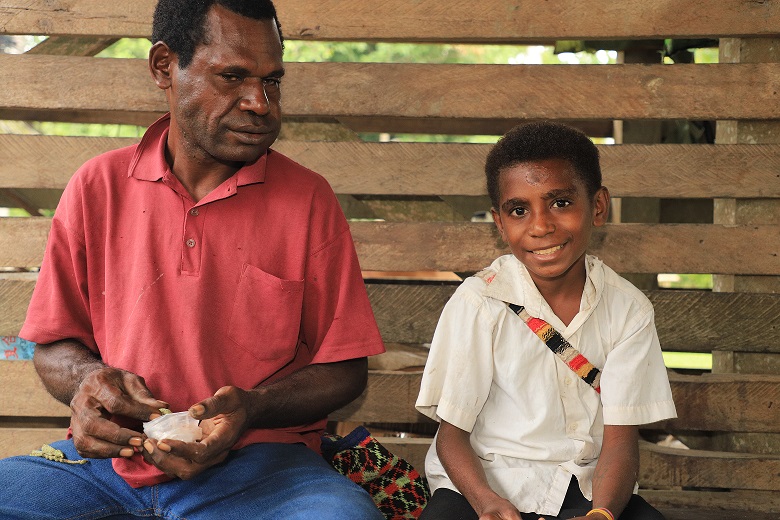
181 24
538 141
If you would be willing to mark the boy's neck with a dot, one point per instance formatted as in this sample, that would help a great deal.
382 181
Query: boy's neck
564 294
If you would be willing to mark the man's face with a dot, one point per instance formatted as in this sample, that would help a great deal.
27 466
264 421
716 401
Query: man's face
225 105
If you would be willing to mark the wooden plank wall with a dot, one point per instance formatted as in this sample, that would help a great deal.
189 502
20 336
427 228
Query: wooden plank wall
415 193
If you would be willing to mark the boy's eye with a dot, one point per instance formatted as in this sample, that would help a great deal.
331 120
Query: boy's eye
517 212
561 203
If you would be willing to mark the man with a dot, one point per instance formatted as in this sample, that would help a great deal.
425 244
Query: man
200 271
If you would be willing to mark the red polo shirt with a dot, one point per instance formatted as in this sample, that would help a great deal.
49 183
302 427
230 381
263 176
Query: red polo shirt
255 281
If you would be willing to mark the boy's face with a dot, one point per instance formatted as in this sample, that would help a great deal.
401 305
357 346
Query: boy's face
546 217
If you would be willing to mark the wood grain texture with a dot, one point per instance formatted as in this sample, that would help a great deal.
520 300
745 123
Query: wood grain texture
496 21
21 441
633 91
716 505
660 466
24 394
720 402
459 247
671 171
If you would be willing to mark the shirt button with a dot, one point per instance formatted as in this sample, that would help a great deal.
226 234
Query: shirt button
573 427
568 381
194 212
190 242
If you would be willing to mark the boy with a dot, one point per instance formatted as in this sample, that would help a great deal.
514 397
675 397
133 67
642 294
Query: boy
521 434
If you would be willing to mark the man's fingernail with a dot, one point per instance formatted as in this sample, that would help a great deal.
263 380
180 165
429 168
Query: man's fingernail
135 441
126 452
148 446
197 409
154 416
164 447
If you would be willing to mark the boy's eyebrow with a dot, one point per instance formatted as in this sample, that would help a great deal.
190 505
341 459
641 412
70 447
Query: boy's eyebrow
550 195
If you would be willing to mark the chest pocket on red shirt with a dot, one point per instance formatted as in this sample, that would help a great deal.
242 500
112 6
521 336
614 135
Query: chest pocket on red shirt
266 314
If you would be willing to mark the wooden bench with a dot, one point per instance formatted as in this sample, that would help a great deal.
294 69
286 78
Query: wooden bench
411 202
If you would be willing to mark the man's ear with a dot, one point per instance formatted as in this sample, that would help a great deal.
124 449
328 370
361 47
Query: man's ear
601 207
499 224
161 63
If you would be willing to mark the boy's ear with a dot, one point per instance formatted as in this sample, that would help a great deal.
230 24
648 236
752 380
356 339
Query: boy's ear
497 219
601 207
161 63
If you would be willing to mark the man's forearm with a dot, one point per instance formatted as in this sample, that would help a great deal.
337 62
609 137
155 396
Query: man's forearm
62 366
307 395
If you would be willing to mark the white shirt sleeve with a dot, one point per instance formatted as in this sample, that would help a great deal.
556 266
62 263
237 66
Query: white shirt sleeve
459 370
634 383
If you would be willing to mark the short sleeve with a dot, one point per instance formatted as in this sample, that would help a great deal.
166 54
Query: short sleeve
59 308
459 371
338 322
634 383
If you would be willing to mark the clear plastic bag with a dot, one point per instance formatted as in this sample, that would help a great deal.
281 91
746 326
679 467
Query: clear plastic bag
179 426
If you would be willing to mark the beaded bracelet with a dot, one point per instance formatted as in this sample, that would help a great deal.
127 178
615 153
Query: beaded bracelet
603 510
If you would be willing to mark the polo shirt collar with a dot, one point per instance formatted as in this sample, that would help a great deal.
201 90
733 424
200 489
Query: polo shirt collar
149 164
513 284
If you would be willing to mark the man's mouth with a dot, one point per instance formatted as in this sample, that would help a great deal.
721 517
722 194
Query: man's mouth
548 251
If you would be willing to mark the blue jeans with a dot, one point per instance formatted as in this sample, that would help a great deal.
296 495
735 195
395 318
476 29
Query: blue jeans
260 481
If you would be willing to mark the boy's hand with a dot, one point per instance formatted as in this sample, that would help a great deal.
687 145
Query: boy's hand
223 420
499 509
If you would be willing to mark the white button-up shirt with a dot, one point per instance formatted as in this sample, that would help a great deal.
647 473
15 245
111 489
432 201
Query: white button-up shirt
533 422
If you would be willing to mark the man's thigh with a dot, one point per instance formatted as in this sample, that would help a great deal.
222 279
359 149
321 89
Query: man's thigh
33 488
269 481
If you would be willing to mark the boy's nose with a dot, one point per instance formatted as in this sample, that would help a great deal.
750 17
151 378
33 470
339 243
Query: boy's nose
541 225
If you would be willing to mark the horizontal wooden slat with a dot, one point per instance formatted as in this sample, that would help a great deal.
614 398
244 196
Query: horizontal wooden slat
688 321
749 503
633 91
21 441
661 466
428 20
726 402
24 394
437 246
672 171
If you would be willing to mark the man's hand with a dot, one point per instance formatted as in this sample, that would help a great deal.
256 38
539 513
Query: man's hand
223 420
103 393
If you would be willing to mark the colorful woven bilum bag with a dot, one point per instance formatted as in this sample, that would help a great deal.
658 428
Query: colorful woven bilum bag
397 488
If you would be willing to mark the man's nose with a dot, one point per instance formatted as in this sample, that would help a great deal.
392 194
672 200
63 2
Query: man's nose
255 98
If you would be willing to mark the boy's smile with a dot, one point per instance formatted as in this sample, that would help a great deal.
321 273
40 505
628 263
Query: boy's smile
546 217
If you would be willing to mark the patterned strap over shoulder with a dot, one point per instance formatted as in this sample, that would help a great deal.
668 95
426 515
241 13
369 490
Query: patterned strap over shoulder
560 347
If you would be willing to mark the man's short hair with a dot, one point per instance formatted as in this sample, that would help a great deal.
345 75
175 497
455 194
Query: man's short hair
538 141
181 24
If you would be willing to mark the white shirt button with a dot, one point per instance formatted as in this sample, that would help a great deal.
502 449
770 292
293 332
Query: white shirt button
194 212
568 381
190 242
573 427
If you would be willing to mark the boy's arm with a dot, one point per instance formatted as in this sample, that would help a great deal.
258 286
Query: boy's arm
466 472
616 470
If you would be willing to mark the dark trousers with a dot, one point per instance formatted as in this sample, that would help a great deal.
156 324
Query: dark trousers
446 504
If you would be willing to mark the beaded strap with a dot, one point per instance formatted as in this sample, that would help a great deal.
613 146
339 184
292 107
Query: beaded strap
561 348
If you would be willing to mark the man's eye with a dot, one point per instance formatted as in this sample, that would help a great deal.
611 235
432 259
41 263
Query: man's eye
230 77
272 82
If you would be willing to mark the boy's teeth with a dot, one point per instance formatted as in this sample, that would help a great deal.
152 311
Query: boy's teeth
547 251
